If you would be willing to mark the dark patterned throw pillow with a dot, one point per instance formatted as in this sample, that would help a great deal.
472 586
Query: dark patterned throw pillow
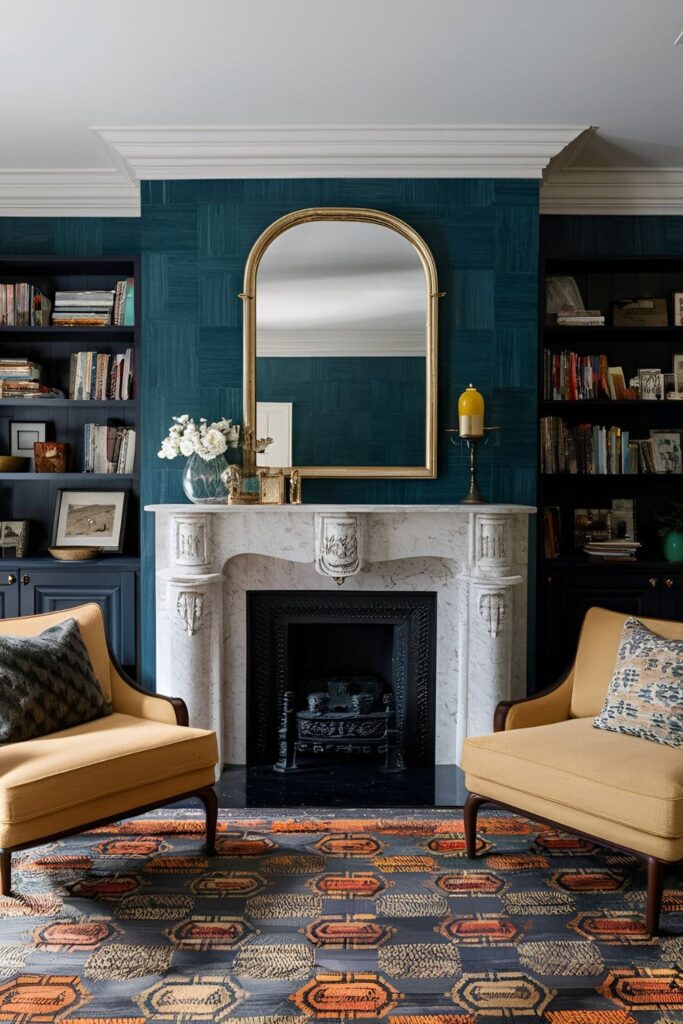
47 683
645 694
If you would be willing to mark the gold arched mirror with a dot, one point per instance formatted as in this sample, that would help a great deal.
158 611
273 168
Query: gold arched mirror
340 345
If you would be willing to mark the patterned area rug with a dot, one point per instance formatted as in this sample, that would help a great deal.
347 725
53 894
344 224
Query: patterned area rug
334 919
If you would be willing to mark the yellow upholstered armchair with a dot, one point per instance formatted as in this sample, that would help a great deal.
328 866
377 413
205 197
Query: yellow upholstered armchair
143 755
546 760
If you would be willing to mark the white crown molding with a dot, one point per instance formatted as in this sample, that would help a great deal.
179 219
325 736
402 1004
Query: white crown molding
90 192
614 190
331 151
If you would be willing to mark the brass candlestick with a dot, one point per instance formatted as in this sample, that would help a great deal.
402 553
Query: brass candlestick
474 495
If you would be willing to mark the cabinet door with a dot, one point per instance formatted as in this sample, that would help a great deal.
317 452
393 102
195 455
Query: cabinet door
568 596
49 590
9 591
671 585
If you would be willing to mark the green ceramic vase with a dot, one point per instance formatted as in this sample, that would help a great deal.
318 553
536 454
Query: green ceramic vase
672 546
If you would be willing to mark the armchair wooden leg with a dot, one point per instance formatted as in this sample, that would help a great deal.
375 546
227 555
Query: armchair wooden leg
5 872
655 879
472 805
210 800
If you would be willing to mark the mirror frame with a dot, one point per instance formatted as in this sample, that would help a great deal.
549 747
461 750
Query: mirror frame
248 296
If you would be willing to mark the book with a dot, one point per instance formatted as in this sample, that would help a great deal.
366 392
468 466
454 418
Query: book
101 375
108 449
551 531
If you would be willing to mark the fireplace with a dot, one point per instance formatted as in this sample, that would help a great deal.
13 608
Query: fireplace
340 679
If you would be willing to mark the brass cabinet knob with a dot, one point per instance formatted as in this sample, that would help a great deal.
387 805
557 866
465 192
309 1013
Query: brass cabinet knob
25 579
668 582
11 578
653 581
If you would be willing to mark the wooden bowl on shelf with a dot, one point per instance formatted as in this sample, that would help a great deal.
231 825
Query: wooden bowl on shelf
66 554
12 464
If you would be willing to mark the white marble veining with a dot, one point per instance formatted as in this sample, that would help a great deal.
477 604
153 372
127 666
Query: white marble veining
473 557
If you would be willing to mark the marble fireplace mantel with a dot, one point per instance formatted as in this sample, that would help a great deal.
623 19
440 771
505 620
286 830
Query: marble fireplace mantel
475 557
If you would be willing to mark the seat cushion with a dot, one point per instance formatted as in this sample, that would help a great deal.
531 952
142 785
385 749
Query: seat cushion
623 779
110 755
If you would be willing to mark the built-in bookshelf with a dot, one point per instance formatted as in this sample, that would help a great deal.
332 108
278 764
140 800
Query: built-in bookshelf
29 495
602 425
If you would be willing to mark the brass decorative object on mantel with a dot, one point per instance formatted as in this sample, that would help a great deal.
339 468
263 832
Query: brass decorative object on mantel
295 487
271 485
234 480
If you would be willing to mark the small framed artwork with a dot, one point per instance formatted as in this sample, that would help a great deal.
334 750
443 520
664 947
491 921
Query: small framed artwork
666 451
651 384
272 486
13 538
90 519
678 309
22 438
678 374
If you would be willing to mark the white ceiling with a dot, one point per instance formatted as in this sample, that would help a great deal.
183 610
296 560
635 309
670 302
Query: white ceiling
70 65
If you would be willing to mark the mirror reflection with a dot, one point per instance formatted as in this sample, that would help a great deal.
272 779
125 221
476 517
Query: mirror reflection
341 347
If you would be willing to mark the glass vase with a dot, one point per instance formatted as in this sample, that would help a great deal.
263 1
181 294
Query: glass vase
202 481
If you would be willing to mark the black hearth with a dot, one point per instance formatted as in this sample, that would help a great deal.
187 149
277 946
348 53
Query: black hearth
341 689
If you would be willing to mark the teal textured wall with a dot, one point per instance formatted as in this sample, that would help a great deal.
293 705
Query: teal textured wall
194 237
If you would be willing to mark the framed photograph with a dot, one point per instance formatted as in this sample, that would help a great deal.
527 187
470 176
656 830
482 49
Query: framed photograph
651 384
13 538
272 486
678 374
678 309
90 519
22 438
666 451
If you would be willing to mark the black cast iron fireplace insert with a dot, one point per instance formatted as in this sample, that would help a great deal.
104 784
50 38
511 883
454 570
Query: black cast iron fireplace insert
342 677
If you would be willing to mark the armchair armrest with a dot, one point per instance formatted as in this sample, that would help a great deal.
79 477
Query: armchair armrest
552 705
131 699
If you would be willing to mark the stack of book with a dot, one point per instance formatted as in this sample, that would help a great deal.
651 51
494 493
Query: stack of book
124 303
20 378
23 305
614 550
570 317
570 377
83 309
108 449
585 448
101 375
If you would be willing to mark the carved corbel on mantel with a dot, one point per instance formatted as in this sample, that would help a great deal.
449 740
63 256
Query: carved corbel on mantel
338 545
190 609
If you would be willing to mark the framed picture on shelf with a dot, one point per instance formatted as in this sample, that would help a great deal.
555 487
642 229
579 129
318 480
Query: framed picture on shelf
651 384
666 451
22 438
678 309
90 519
13 538
678 374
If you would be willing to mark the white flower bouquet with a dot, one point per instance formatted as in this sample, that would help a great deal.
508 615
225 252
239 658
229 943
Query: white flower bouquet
208 440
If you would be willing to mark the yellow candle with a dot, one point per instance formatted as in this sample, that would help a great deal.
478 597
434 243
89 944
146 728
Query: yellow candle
471 413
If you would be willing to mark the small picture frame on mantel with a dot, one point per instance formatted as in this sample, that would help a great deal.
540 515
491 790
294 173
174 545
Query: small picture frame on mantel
271 486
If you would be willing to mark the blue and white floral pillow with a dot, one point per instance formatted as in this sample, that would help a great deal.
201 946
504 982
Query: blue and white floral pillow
645 694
